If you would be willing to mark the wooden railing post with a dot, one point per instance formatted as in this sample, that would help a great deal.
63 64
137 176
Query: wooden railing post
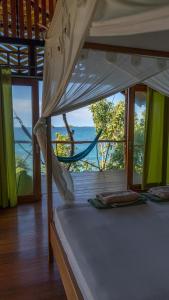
130 136
49 183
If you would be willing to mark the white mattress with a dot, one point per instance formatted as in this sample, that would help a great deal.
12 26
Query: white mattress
117 254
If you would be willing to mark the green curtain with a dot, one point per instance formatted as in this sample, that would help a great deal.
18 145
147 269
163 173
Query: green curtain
156 152
8 196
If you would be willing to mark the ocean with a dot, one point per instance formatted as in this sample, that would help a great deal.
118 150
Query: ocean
23 151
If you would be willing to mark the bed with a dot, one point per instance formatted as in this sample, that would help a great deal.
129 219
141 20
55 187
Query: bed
93 51
116 253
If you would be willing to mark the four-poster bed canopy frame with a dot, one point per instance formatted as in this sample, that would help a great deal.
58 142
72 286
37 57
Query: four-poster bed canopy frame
63 45
55 247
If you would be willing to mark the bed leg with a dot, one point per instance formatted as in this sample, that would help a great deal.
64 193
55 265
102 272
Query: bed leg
50 254
49 185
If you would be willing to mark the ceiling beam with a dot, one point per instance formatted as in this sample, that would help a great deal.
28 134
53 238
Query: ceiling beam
126 50
18 41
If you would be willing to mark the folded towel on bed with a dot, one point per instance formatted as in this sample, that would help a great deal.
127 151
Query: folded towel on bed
159 188
100 205
118 197
160 191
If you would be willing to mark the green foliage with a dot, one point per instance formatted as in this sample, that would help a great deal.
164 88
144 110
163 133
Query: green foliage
110 118
62 149
101 115
81 166
21 163
139 143
116 159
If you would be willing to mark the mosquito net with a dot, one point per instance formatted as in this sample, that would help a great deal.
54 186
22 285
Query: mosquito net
75 77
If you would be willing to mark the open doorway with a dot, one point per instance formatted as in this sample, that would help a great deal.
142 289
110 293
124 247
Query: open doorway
135 135
27 154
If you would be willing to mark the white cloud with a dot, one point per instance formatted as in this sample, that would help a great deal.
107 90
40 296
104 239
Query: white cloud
23 110
79 117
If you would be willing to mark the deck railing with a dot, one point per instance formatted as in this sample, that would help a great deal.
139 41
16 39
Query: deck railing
75 142
98 159
107 154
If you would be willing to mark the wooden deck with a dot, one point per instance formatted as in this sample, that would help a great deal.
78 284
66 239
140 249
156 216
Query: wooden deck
87 184
24 271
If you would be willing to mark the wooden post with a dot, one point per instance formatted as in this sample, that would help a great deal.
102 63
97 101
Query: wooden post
49 182
165 141
36 149
32 60
130 136
51 9
29 19
5 17
43 12
126 126
21 24
13 18
36 18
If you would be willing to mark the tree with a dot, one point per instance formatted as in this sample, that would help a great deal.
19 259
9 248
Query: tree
110 118
62 149
139 142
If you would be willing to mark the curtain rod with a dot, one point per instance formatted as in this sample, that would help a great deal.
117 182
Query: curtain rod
127 50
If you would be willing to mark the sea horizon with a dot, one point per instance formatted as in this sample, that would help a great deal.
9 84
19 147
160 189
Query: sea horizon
75 126
81 133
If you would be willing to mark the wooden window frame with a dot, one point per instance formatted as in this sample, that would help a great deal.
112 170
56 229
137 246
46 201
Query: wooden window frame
33 83
130 134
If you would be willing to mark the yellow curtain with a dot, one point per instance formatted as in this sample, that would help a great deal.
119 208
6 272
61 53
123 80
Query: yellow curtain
8 196
156 152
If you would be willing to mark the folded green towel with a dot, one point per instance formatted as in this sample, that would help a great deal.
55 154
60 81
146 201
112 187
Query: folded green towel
143 198
99 204
153 198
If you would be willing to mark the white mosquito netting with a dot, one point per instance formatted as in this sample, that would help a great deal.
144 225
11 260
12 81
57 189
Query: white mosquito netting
75 77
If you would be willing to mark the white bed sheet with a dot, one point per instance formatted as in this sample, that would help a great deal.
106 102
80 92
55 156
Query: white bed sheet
117 254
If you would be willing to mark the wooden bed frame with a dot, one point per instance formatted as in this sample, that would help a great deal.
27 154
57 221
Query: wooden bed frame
55 246
71 288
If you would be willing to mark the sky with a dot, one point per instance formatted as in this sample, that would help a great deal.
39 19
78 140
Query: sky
22 106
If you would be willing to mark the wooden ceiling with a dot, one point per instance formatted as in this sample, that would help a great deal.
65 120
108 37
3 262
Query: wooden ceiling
25 19
23 24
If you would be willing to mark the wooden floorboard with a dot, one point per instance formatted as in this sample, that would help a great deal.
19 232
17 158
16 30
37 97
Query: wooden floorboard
24 270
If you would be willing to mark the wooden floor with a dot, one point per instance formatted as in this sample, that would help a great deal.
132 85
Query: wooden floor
24 271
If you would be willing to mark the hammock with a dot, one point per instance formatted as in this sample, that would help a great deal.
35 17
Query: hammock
82 154
28 134
25 130
64 159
